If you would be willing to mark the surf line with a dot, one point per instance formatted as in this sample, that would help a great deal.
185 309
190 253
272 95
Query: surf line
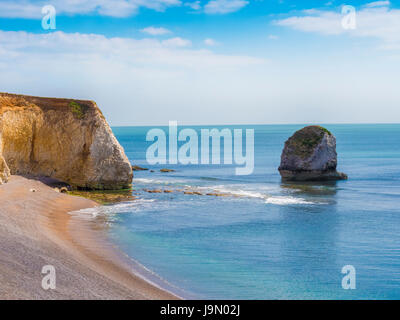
190 153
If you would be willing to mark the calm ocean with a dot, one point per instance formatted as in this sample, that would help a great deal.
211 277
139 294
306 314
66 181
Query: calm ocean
269 240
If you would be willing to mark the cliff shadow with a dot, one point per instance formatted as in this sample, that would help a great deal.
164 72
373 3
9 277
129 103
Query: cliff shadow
50 182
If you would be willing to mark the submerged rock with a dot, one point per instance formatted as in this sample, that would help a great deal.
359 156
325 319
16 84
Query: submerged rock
138 168
153 191
105 197
217 194
310 155
64 139
167 170
193 193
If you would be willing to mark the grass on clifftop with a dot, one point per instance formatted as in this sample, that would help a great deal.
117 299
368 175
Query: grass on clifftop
324 129
77 110
305 140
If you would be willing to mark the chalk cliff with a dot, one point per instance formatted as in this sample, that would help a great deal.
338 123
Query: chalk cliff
310 154
65 139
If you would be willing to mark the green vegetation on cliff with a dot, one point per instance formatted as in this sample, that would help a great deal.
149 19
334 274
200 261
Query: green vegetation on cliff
325 130
77 110
305 140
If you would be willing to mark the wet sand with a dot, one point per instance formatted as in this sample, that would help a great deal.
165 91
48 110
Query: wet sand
36 230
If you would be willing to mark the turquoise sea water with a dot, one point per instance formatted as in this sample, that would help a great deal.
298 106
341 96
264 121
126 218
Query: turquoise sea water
269 240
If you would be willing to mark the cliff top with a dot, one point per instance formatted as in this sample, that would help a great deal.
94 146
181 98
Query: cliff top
305 140
76 106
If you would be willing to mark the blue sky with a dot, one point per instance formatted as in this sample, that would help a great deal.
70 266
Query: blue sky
146 62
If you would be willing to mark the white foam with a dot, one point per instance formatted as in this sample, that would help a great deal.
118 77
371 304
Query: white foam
242 193
286 201
277 200
158 181
123 207
269 199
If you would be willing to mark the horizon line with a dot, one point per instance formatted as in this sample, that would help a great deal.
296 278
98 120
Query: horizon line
261 124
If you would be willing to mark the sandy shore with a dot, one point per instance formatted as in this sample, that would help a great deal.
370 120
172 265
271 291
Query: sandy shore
36 230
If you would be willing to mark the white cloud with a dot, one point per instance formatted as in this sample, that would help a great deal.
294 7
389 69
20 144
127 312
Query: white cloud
273 37
224 6
59 46
382 23
31 9
323 22
18 9
116 8
210 42
134 81
193 5
377 4
155 31
145 82
177 42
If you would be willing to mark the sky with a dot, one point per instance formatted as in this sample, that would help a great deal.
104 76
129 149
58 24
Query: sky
148 62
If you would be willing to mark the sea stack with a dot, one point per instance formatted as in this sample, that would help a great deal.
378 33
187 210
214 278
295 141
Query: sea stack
310 155
68 140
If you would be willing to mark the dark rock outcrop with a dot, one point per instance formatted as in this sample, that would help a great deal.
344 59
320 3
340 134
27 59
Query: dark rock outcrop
167 170
310 155
68 140
138 168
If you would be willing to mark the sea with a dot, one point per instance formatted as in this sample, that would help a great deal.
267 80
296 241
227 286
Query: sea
266 239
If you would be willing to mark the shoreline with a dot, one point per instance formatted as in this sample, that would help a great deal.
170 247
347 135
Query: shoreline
37 229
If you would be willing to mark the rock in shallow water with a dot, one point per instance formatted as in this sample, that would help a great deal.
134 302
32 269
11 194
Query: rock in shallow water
138 168
167 170
310 155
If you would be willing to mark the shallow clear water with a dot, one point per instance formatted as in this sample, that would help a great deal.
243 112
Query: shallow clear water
269 240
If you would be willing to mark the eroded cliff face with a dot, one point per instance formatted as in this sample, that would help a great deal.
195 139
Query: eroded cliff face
65 139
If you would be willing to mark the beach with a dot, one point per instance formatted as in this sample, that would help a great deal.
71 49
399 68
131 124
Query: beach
37 230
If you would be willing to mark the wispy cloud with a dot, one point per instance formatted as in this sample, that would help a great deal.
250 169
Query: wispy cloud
60 46
195 5
377 4
177 42
323 22
210 42
133 80
116 8
31 9
224 6
376 21
155 31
